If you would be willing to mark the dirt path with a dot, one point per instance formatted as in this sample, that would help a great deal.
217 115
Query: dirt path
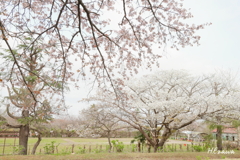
170 141
70 141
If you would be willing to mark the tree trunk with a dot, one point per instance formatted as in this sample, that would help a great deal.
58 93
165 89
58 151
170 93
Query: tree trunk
36 144
23 139
139 146
162 142
167 133
149 148
155 148
109 142
219 138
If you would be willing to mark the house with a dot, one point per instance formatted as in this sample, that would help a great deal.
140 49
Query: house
228 133
8 133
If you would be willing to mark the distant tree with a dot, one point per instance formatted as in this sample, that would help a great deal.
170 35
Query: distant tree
225 93
99 117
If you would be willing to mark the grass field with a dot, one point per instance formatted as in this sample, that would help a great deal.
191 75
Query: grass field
63 144
65 151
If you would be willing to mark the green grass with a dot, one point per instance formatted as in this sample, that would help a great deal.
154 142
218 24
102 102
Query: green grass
65 150
64 144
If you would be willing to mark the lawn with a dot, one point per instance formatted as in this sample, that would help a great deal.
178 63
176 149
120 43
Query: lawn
63 144
97 149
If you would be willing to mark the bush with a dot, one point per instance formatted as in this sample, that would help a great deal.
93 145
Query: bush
81 150
118 145
49 148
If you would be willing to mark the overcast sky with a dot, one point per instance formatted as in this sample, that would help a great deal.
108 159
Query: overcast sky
220 42
219 49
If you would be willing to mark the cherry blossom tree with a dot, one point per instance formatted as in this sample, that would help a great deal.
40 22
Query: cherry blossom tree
29 101
85 127
82 31
100 118
225 92
161 103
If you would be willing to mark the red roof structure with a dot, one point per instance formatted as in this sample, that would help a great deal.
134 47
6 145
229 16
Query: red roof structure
227 130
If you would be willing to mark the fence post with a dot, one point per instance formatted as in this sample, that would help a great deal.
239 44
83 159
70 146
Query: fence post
73 148
4 145
57 149
14 144
90 149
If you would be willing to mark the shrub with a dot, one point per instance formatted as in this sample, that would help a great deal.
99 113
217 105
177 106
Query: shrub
118 145
81 150
65 151
49 148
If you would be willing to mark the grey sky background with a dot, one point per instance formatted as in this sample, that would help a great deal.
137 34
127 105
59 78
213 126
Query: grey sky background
220 42
219 49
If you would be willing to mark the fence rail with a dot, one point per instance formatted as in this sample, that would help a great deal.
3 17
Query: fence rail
12 148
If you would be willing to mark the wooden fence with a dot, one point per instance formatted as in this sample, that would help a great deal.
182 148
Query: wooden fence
11 149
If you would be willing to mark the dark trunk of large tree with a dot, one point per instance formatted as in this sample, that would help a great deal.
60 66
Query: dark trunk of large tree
162 142
155 149
23 134
23 139
167 133
219 138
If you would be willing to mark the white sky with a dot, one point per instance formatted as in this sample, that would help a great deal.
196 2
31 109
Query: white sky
219 49
220 42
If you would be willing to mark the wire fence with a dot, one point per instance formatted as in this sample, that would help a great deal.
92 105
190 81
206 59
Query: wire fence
11 148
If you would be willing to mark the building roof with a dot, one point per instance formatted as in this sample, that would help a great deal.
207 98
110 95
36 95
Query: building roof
227 130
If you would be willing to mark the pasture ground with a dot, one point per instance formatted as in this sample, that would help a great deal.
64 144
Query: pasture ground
64 142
